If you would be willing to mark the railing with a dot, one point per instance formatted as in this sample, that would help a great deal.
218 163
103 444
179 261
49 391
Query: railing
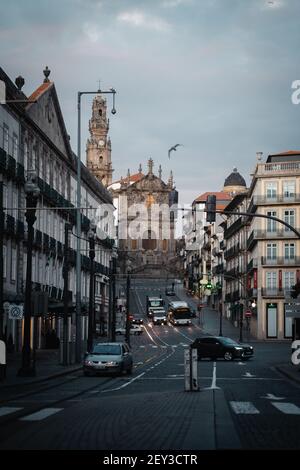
274 292
280 260
278 198
277 168
233 228
233 251
234 272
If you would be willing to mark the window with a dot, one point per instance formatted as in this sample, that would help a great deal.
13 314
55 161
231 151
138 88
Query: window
271 224
5 138
289 189
289 279
25 155
271 279
4 261
15 147
271 251
13 264
289 251
289 217
5 196
271 190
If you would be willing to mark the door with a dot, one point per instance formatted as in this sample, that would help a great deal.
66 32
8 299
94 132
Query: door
288 324
271 312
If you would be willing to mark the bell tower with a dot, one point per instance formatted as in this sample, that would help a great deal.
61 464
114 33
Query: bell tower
98 148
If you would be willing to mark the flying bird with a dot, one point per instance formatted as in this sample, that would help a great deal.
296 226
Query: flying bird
173 148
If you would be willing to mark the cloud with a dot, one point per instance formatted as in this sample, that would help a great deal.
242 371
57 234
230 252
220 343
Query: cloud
273 4
175 3
142 20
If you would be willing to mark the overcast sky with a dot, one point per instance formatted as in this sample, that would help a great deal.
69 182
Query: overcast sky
213 75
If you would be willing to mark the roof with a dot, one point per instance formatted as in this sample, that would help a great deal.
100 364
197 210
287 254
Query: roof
288 152
235 179
220 196
39 91
133 178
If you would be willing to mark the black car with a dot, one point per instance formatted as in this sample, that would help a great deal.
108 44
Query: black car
137 321
220 346
170 291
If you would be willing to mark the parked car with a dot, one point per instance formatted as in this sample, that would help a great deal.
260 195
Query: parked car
219 346
134 330
115 358
169 291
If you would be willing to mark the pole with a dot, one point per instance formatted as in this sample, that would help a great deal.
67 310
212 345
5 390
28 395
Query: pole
1 258
113 317
241 323
221 320
65 296
110 302
27 370
127 331
78 233
91 298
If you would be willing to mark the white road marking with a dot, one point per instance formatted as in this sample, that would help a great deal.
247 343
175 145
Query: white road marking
6 410
270 396
287 408
175 375
142 347
214 379
154 346
241 363
244 408
42 414
248 374
124 385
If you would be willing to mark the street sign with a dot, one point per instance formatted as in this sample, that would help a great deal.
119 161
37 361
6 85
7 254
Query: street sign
15 312
248 313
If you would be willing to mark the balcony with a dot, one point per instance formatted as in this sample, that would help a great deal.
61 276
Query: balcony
20 173
237 225
277 199
280 261
278 169
20 230
11 166
274 292
252 264
219 269
10 225
264 235
252 293
232 273
231 252
2 159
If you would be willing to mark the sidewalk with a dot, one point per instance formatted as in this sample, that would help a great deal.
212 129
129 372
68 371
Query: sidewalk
47 367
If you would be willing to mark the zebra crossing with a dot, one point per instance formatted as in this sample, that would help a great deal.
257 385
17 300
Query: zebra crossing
248 408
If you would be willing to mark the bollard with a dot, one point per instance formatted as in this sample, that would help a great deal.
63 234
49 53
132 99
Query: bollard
191 370
2 360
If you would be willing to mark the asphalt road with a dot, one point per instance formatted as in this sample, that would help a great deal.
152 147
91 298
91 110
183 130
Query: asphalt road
240 404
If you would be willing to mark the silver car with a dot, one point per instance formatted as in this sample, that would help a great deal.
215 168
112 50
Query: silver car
108 357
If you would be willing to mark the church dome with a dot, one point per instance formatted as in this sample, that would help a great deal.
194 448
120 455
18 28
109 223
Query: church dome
234 180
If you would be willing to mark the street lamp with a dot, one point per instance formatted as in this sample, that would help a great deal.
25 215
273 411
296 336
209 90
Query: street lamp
112 295
78 214
91 237
32 192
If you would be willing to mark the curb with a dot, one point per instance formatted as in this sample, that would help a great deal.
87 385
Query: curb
287 373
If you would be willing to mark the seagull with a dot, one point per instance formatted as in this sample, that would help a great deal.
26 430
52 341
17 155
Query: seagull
173 148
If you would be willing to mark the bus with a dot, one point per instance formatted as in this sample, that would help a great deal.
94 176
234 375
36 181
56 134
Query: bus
152 304
179 313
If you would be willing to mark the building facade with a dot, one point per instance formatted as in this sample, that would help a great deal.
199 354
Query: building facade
33 137
273 249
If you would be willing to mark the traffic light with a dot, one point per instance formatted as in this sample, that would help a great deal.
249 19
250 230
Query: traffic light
210 208
208 285
295 290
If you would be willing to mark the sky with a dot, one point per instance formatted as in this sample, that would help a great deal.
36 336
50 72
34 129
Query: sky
212 75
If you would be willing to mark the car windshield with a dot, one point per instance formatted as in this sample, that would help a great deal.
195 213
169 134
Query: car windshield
107 349
229 341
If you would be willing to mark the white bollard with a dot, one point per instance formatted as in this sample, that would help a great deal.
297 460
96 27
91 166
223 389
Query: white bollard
2 359
190 370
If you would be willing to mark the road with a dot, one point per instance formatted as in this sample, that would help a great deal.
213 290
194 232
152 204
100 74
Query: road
244 405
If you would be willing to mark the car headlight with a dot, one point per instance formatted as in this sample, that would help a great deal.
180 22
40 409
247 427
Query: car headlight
112 363
88 363
238 348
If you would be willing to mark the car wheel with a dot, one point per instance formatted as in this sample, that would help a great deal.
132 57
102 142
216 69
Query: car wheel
228 356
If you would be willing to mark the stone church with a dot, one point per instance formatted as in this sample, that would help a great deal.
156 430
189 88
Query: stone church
145 226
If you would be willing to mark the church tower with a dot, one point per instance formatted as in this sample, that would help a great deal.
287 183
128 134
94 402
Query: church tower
99 145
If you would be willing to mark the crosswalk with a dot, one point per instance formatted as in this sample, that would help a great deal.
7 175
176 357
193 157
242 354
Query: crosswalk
248 408
238 407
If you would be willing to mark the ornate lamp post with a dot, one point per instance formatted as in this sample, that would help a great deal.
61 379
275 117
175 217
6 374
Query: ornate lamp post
91 237
32 193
